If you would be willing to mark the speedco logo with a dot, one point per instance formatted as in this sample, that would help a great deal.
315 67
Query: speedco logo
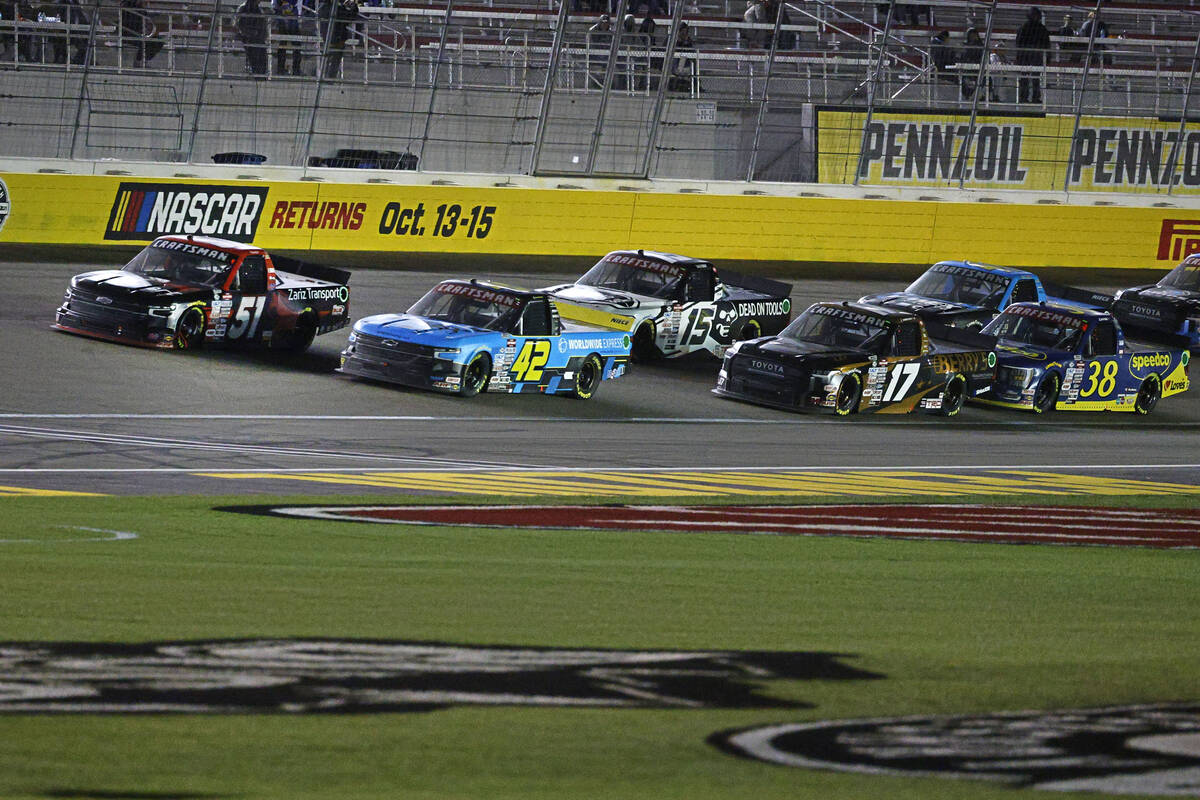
1178 239
1156 360
143 211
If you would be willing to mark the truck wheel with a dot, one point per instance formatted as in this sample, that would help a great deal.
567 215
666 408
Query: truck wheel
1046 395
644 348
1148 394
588 377
189 330
299 338
475 376
751 330
848 394
953 396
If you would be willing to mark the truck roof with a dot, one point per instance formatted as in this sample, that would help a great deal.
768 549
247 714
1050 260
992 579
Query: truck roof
1004 272
213 242
667 258
1080 312
891 315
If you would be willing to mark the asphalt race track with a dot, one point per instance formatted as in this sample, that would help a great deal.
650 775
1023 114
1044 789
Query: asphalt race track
80 415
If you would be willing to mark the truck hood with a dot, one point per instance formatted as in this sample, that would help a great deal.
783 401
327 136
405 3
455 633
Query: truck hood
798 356
129 289
608 299
419 330
922 306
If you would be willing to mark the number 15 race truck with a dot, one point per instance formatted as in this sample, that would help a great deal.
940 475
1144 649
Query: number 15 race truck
672 305
854 357
185 292
466 337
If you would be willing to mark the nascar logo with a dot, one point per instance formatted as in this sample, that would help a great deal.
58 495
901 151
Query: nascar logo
143 211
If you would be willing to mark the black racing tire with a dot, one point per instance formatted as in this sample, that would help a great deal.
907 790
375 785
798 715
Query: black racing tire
588 377
849 393
751 330
1046 396
953 396
299 338
189 330
1148 394
644 348
476 375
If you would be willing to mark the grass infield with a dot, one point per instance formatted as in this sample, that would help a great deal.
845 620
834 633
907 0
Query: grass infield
954 627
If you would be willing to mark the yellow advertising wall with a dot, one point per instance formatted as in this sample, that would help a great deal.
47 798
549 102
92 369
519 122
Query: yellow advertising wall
86 210
914 148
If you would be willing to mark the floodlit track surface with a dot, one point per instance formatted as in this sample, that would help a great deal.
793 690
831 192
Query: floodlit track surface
90 416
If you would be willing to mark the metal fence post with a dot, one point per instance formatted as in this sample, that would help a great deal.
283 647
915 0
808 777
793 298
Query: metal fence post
539 136
618 23
322 65
664 79
437 72
89 56
1087 64
870 85
212 33
766 94
980 75
1183 115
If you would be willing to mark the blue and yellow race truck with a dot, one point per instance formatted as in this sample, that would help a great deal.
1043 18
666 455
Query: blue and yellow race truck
968 294
467 337
1054 355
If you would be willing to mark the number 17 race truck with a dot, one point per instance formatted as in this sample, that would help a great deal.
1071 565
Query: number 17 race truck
672 305
185 292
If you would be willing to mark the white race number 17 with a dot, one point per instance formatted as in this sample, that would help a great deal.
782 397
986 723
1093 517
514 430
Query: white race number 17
903 377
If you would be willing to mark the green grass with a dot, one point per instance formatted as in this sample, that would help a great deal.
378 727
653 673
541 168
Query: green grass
955 628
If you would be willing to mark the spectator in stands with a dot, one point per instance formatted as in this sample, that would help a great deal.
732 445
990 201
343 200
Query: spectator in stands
972 54
681 66
139 30
942 55
287 24
996 81
1066 50
1101 27
646 26
71 12
252 30
756 14
1032 43
336 18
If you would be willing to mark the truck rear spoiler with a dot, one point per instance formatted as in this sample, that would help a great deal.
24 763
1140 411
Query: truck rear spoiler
949 333
1085 297
755 284
320 272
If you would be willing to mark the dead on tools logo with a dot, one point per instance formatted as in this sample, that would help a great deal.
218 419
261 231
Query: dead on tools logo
1145 750
374 676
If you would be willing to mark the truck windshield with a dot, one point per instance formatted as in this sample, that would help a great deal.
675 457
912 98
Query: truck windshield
629 273
1045 330
957 284
1185 276
179 263
465 304
839 328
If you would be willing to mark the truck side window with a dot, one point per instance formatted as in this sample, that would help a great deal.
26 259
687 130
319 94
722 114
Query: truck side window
907 340
252 276
535 321
1104 339
699 285
1025 292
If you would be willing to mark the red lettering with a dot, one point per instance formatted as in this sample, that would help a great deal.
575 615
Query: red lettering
329 217
280 215
356 216
305 207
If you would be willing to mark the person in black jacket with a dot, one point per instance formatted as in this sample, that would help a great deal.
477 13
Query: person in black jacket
252 30
336 18
1033 41
972 54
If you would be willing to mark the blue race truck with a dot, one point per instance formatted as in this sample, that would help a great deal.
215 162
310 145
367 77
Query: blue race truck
968 294
467 337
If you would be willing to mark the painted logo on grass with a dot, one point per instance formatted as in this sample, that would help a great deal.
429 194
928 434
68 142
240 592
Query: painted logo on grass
1151 749
1170 528
364 676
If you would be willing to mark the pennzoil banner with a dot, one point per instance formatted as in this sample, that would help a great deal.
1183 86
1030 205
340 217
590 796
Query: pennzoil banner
916 148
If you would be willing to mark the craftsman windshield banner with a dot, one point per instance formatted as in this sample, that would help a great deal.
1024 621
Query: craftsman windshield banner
915 148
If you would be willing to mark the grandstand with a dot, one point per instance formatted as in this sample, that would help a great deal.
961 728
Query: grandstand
530 88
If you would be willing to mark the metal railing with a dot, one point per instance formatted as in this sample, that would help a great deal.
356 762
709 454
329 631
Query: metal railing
844 93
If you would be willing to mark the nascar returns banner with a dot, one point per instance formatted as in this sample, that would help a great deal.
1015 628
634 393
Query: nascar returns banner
308 216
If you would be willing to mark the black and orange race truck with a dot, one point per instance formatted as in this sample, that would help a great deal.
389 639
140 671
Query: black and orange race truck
185 292
849 358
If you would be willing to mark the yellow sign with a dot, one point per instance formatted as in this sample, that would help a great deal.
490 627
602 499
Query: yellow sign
319 217
1011 152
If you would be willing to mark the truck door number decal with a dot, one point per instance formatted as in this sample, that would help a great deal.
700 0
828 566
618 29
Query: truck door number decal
699 323
1105 384
531 360
245 321
896 390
